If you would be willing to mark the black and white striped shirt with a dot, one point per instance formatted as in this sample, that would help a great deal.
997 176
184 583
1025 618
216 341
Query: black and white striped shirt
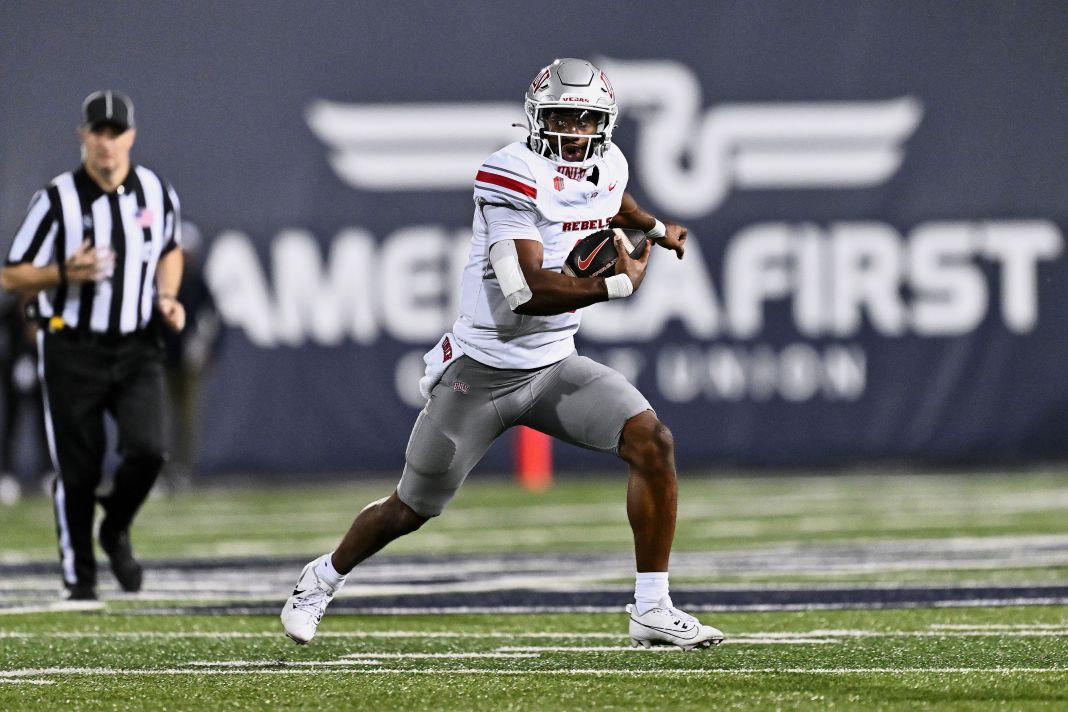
139 222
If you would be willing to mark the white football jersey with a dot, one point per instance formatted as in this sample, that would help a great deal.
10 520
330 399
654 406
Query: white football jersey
521 195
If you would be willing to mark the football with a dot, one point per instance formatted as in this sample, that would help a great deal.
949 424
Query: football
595 255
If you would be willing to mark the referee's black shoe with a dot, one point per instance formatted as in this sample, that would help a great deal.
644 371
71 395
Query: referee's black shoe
80 592
116 544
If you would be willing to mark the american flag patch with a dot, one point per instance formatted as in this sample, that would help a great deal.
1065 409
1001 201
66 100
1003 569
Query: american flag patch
144 217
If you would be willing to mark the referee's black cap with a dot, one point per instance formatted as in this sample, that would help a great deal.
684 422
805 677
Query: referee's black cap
108 107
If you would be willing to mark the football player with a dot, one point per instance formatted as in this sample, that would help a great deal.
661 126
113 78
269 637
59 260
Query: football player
510 358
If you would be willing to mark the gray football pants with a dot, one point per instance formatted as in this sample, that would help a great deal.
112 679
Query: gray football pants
576 400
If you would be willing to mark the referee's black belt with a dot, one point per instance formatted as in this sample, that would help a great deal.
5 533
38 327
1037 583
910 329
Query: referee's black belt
96 338
55 326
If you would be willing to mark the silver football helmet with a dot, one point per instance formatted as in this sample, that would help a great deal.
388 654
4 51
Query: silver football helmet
570 84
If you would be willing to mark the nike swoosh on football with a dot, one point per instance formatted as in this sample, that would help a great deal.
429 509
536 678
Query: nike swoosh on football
584 263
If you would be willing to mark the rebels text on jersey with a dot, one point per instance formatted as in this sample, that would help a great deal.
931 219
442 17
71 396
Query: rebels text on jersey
521 195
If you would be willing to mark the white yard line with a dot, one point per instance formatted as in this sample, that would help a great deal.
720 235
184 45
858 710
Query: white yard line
627 648
281 663
822 635
1056 627
708 608
54 606
352 634
934 631
404 656
35 673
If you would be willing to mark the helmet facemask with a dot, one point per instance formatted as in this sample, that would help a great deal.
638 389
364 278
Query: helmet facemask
557 136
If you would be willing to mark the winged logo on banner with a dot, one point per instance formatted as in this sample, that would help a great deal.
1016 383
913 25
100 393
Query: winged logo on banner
412 146
688 158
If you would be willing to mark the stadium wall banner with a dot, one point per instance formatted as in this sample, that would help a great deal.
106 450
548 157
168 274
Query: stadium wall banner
876 265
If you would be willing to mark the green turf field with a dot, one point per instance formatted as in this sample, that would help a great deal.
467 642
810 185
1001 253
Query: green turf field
1005 658
157 650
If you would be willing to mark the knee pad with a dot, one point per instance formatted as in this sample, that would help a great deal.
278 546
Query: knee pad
429 480
430 449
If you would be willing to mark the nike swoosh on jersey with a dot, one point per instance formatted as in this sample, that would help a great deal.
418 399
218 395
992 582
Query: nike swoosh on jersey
584 263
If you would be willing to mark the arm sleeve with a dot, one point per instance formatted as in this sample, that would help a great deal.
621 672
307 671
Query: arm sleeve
509 274
35 240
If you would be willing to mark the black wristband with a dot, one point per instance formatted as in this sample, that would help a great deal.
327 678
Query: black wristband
61 265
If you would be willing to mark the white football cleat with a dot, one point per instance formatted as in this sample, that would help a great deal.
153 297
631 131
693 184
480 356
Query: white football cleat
305 608
667 625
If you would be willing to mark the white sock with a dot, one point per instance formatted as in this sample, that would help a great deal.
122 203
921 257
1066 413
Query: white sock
325 570
650 590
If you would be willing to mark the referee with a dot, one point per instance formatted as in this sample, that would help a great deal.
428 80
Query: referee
100 249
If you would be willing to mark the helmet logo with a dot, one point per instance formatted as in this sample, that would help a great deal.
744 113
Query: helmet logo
540 81
606 86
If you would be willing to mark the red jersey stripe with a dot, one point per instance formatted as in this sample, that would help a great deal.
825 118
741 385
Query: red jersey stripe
510 184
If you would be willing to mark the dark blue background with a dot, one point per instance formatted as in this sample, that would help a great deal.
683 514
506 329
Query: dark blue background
220 91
